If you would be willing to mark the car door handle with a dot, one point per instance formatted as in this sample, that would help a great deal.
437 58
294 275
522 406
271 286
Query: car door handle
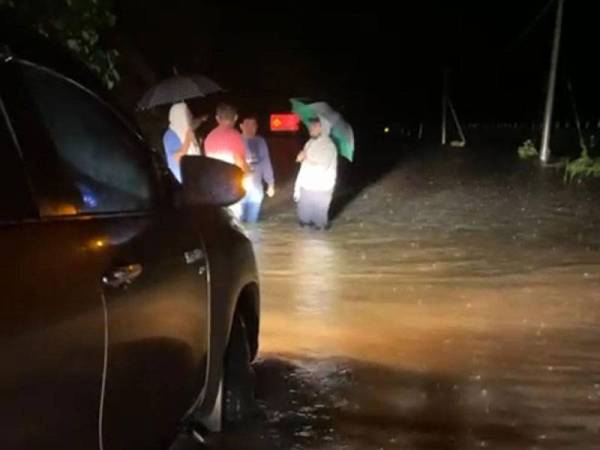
122 276
193 256
196 256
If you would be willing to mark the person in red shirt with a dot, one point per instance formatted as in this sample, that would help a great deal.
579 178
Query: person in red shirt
225 142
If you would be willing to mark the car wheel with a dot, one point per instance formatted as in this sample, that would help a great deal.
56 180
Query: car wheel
239 403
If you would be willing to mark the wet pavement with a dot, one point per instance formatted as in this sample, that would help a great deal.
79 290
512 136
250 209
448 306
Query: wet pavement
455 304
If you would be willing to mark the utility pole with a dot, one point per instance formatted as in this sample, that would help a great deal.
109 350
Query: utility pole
582 143
445 107
545 153
457 122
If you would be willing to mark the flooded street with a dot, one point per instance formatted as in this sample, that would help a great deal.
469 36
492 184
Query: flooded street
455 304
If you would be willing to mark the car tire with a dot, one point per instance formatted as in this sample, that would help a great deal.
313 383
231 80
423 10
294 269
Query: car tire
239 403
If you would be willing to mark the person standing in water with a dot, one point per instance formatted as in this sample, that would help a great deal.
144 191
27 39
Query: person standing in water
257 157
225 143
179 139
316 179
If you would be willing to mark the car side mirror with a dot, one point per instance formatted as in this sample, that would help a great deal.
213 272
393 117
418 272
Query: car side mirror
210 182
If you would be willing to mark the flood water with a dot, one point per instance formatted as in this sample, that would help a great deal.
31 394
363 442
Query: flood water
455 304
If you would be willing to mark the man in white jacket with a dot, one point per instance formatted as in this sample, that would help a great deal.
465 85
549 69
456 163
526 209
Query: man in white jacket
316 180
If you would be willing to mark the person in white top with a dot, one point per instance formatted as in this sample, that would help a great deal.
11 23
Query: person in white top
179 139
316 179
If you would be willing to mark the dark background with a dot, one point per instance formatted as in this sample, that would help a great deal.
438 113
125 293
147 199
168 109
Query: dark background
376 61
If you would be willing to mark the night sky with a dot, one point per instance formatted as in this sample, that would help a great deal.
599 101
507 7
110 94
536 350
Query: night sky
372 58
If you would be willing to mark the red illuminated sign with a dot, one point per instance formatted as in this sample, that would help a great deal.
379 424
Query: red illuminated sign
285 122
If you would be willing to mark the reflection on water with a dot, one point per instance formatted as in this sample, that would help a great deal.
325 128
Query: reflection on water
449 308
313 259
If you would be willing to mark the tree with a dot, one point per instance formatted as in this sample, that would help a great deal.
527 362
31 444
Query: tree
78 24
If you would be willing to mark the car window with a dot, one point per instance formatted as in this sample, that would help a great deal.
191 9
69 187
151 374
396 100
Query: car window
15 202
105 163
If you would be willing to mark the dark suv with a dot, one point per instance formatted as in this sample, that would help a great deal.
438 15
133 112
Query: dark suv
130 304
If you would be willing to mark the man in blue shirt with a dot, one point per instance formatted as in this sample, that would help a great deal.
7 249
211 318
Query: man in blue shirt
257 157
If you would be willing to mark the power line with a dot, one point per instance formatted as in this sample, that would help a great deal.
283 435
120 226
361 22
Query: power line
529 28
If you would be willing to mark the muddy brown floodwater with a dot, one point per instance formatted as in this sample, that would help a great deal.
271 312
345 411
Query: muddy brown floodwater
455 304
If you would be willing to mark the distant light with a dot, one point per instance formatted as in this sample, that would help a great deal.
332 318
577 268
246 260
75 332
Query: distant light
386 130
99 243
285 122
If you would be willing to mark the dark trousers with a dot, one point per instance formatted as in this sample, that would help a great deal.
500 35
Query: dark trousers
313 207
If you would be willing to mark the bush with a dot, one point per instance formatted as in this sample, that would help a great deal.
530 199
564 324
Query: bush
77 24
528 150
458 144
582 167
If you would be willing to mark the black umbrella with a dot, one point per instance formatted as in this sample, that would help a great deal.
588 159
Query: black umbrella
177 89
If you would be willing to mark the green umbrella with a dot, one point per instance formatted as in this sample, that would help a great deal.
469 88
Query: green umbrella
333 124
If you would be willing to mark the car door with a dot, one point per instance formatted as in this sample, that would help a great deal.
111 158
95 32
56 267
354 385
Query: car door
149 269
51 332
